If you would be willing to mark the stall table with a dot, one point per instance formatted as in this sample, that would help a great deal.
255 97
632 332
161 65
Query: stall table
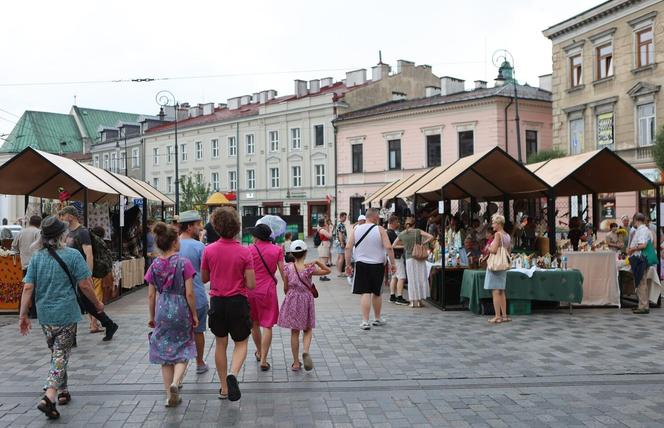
129 273
445 295
600 273
549 285
11 283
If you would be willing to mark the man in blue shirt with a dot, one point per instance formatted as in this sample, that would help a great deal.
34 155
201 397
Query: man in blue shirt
191 248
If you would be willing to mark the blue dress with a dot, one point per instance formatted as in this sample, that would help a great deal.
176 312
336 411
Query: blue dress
172 340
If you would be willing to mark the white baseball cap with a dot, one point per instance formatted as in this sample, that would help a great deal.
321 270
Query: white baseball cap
362 217
298 246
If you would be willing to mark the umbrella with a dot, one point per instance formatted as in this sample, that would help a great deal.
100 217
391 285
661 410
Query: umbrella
276 223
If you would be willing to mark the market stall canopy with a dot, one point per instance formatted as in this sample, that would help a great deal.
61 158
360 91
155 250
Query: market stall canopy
491 175
113 181
375 196
422 181
217 198
599 171
148 192
403 184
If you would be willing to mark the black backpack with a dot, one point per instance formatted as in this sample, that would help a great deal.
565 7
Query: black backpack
317 240
102 260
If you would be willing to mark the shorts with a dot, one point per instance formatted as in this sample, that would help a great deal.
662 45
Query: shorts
98 285
338 249
368 278
230 315
202 319
401 268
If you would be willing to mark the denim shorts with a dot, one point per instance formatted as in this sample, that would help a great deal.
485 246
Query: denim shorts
202 319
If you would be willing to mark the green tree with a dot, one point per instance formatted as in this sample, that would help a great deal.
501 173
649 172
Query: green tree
194 194
658 149
545 155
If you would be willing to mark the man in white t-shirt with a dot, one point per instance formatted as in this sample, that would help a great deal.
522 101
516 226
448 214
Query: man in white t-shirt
639 264
369 243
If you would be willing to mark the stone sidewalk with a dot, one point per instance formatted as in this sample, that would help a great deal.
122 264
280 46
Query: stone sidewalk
426 367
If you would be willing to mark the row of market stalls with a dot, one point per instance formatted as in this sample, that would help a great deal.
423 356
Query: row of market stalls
118 203
494 176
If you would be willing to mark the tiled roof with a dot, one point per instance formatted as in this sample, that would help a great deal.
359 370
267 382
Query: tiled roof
44 131
91 119
524 92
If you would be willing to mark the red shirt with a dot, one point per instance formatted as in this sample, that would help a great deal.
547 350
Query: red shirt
226 260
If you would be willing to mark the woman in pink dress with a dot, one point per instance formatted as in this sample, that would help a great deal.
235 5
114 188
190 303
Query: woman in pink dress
297 310
263 302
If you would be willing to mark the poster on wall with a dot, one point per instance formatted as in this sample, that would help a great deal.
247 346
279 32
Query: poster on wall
607 206
605 130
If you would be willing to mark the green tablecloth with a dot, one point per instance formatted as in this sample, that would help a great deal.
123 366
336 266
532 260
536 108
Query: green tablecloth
551 285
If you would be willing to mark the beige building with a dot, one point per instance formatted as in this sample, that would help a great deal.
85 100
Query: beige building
607 76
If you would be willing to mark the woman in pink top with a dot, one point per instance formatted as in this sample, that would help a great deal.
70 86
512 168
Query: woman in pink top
230 269
263 303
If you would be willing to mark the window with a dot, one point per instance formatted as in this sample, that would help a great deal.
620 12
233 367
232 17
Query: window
645 114
604 56
466 143
576 70
123 161
356 154
135 157
95 161
394 154
232 180
214 181
319 136
296 140
169 155
531 142
433 150
274 178
575 136
155 183
155 156
169 184
251 179
645 50
199 150
232 146
297 176
106 165
214 148
274 141
320 174
183 152
605 130
114 162
250 143
199 178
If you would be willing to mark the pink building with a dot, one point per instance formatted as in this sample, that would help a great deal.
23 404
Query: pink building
381 144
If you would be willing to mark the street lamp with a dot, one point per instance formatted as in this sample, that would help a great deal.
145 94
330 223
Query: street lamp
167 99
506 75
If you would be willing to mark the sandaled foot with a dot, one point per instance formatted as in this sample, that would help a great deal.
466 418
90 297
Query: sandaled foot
96 330
308 363
64 398
222 395
234 393
173 396
296 367
257 355
48 408
506 319
495 320
265 367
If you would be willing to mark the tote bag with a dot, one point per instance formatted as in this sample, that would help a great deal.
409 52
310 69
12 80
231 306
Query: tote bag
419 252
501 260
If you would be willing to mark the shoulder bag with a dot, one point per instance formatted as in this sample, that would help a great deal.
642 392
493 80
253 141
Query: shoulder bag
650 254
419 252
64 267
265 265
311 287
500 261
365 235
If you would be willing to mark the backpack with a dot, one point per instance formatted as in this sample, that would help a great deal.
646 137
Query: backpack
102 260
317 240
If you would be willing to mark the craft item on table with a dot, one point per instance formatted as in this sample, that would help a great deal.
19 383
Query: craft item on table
98 215
63 195
528 272
11 279
117 274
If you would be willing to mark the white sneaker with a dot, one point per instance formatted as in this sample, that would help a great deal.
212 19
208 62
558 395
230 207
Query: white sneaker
365 325
378 322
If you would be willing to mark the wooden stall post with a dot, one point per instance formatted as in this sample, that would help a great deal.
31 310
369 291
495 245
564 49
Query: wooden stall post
145 232
551 221
442 248
473 201
163 214
506 208
658 213
85 208
595 213
26 201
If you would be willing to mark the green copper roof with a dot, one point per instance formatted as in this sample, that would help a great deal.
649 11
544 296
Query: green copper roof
90 120
44 131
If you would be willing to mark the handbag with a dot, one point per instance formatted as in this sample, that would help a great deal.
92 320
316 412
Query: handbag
419 252
311 287
650 254
64 267
500 261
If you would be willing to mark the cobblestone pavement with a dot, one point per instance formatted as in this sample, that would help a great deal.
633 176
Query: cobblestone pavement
597 367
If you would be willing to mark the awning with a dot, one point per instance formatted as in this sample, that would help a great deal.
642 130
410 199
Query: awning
491 175
217 198
403 184
375 196
422 181
599 171
148 192
114 182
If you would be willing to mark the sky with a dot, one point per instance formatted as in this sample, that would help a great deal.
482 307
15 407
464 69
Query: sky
250 46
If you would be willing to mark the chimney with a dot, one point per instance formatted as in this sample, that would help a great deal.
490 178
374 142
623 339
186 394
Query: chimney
234 103
403 65
195 111
480 84
254 98
356 77
398 96
451 85
379 71
208 108
222 105
326 81
262 97
431 91
300 88
314 86
545 82
245 99
271 94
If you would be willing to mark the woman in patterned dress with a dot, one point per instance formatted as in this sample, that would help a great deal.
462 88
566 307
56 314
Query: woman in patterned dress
297 310
172 341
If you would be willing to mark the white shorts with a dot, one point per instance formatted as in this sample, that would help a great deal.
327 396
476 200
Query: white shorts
401 268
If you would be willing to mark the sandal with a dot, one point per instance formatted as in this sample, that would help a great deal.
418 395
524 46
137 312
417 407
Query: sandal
265 367
64 398
296 368
96 330
47 407
257 355
308 363
221 395
506 319
495 320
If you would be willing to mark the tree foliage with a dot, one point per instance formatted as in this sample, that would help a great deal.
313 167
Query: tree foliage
658 149
545 155
194 194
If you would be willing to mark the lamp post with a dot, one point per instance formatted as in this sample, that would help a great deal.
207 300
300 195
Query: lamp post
167 99
505 63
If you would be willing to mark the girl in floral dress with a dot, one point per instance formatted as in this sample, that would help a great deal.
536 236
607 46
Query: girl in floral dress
173 321
297 310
